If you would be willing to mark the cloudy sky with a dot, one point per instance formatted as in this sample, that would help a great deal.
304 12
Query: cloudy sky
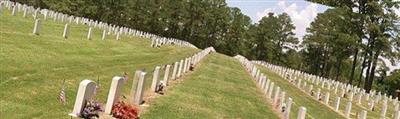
301 12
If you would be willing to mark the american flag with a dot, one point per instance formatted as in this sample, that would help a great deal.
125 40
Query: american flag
97 86
62 94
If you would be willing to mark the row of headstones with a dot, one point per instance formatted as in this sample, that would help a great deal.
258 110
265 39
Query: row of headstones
16 7
87 88
277 98
318 96
347 91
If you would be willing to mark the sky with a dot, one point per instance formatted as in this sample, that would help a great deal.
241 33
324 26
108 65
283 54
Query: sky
301 12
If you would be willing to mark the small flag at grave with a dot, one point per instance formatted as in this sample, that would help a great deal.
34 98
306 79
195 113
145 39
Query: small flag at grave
62 97
97 86
126 78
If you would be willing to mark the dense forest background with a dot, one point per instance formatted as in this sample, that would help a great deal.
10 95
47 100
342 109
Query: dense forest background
346 43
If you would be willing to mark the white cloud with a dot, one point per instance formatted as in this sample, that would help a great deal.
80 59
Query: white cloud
301 17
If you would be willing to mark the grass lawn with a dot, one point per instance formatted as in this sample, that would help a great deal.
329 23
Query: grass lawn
315 110
218 88
33 67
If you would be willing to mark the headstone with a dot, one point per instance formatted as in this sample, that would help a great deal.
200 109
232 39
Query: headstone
348 110
317 96
351 95
103 37
267 86
114 93
35 14
302 113
397 115
36 28
140 89
166 74
184 65
85 92
282 100
384 109
180 69
155 79
134 86
372 104
14 10
66 31
175 70
25 12
337 104
89 34
310 89
363 115
326 100
276 96
270 90
117 37
288 108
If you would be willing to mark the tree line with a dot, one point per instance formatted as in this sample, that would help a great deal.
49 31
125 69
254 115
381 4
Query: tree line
347 42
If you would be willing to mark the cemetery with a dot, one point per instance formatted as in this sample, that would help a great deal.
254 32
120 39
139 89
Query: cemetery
59 65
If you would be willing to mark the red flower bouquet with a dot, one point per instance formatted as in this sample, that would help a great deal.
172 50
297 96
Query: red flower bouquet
122 110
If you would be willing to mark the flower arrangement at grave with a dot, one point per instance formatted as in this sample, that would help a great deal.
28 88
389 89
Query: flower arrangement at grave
91 110
123 110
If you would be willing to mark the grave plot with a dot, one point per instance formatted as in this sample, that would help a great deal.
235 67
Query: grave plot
218 88
300 98
349 100
34 66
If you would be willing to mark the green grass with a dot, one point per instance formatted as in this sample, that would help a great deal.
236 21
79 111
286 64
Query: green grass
218 88
315 110
33 67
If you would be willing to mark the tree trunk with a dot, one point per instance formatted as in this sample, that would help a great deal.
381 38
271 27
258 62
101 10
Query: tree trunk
372 72
353 68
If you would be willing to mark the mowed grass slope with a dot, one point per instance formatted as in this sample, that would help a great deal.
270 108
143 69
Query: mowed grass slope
218 88
315 109
32 67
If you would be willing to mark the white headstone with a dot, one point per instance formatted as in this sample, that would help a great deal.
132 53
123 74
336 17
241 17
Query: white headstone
14 10
134 86
180 69
348 109
276 96
302 113
89 34
363 115
384 108
288 108
103 37
66 31
337 104
25 12
175 70
36 28
397 115
270 90
326 100
155 78
114 93
140 89
166 74
85 92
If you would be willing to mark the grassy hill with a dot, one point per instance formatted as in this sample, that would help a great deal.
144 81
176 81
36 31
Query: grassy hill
34 67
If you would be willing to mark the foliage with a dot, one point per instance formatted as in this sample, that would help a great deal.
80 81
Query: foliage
91 110
122 110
